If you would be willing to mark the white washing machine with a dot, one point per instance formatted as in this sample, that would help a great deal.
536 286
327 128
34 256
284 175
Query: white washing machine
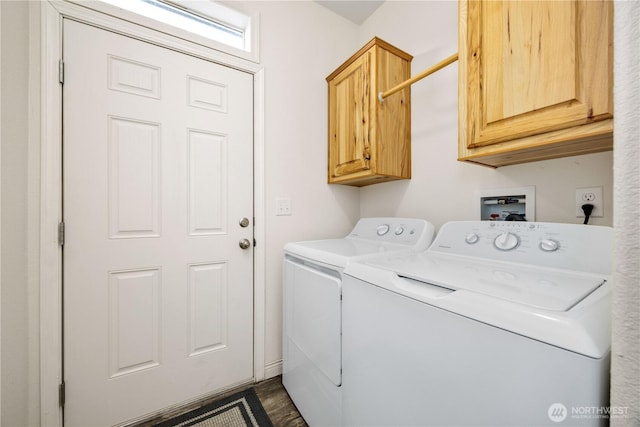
496 324
312 324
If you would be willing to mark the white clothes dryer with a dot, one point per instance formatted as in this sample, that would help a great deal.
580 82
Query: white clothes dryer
496 324
312 323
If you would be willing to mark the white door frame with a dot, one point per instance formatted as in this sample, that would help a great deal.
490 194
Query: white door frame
51 15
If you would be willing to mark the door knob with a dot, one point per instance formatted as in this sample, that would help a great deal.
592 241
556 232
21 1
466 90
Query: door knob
244 222
244 244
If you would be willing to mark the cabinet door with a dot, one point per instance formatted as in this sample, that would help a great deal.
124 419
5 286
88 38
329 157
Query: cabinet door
349 120
535 67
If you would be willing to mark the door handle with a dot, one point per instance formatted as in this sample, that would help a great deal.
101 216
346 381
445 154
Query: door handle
244 244
244 222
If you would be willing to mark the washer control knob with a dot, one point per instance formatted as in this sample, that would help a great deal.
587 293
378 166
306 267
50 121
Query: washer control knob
382 229
472 238
399 230
506 241
549 245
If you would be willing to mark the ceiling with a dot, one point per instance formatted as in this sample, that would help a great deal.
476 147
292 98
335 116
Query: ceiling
355 11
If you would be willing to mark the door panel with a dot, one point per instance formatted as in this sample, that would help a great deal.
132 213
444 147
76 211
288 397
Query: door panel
158 296
351 121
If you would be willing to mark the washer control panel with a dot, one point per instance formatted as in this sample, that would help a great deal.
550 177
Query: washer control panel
567 246
508 237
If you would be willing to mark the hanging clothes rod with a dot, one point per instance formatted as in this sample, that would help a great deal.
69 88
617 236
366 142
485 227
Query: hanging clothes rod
422 75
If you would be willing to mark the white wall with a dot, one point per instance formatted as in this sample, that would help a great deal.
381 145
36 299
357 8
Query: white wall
300 44
625 347
0 218
442 188
14 321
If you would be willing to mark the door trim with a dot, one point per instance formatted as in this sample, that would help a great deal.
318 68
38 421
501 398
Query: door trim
50 14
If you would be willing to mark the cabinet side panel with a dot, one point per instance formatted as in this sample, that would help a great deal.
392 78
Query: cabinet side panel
468 75
596 52
393 117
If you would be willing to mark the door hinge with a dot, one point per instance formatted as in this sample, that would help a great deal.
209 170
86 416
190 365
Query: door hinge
61 234
61 393
61 71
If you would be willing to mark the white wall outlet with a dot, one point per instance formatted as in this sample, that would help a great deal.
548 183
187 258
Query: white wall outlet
592 195
283 206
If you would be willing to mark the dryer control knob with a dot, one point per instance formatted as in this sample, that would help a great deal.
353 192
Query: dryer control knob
506 241
549 245
472 238
399 230
382 229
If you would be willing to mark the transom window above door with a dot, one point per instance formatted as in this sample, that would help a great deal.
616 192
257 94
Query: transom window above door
203 21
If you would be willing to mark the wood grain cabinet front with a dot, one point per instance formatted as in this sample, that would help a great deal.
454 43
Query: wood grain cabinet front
370 140
535 80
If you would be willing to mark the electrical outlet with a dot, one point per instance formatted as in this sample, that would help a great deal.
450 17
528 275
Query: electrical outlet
283 206
592 195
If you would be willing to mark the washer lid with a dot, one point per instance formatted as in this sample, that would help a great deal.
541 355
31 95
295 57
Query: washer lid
545 288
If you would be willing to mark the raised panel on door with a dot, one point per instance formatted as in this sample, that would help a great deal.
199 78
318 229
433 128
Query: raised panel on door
536 67
350 132
158 161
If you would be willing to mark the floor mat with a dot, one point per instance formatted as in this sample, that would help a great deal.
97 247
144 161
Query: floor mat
242 409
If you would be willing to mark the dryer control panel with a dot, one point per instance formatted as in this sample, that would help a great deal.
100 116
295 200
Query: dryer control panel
578 247
413 232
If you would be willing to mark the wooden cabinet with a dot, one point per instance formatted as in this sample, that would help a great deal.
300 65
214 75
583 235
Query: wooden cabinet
369 140
535 80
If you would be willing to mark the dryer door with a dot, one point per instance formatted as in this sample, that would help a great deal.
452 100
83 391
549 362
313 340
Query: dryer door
312 316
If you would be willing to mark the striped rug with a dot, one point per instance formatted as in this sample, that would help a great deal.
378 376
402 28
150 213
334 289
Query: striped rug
242 409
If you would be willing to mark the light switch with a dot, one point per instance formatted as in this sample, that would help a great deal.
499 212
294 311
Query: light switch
283 206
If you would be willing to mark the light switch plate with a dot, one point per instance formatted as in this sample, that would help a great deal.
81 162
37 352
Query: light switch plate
283 206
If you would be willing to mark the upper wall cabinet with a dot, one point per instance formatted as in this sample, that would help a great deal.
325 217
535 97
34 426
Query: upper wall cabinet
535 80
369 140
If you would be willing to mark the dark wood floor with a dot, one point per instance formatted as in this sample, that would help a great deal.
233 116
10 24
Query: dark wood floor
273 396
276 402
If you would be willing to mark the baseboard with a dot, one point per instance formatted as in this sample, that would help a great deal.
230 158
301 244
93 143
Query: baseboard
272 369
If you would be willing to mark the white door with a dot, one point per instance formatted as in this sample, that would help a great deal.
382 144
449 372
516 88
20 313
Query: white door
158 293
